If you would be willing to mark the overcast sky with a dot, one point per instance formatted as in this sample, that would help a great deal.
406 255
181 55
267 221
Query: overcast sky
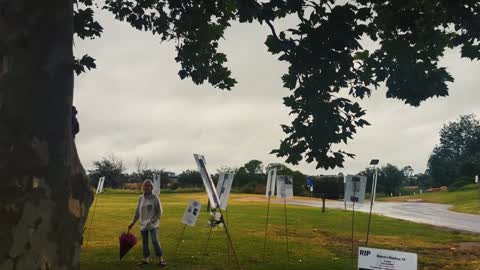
134 105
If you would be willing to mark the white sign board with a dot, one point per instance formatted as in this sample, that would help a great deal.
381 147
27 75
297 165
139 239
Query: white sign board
382 259
207 181
191 213
224 186
476 179
101 181
355 188
284 186
271 181
156 184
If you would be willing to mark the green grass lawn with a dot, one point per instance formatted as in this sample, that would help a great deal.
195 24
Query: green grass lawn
466 200
316 240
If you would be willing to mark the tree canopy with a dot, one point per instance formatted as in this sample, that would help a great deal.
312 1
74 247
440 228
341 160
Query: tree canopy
111 167
328 67
390 178
458 154
254 166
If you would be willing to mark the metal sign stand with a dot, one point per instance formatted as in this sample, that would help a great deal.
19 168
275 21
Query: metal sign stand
93 212
344 191
266 227
372 199
353 223
91 220
270 190
208 240
228 246
180 239
286 221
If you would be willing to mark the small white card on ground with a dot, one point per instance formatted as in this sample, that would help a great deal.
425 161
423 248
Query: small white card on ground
383 259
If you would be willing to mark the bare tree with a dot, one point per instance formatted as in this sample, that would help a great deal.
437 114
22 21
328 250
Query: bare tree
141 165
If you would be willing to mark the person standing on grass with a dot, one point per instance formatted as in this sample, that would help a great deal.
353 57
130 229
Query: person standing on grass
149 210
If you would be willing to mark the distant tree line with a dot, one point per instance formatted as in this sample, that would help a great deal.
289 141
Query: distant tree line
116 174
249 178
455 161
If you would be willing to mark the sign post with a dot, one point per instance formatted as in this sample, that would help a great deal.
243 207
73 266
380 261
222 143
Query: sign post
382 259
310 185
373 192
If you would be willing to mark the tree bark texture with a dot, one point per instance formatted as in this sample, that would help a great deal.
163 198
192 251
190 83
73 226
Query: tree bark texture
44 194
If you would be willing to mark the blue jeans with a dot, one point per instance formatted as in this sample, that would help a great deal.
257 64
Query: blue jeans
156 244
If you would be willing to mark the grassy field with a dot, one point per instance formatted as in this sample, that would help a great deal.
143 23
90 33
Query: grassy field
316 240
466 200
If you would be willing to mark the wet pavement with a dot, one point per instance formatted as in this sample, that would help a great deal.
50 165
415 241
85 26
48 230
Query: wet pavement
428 213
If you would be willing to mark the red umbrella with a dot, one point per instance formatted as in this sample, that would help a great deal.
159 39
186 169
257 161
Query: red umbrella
127 241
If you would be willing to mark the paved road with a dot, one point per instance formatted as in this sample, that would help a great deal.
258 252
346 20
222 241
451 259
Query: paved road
428 213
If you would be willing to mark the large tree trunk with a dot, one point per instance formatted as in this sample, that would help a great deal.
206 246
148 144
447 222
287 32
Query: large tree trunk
44 196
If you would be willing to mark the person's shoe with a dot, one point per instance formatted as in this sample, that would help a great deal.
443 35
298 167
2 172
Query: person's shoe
142 262
162 264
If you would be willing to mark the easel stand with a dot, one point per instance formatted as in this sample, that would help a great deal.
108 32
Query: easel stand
229 239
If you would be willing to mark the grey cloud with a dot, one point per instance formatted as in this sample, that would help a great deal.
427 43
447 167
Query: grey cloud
134 105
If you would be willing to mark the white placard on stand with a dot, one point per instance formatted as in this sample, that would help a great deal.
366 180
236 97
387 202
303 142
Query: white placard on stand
271 181
383 259
101 181
355 188
284 186
207 181
191 213
224 186
156 184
